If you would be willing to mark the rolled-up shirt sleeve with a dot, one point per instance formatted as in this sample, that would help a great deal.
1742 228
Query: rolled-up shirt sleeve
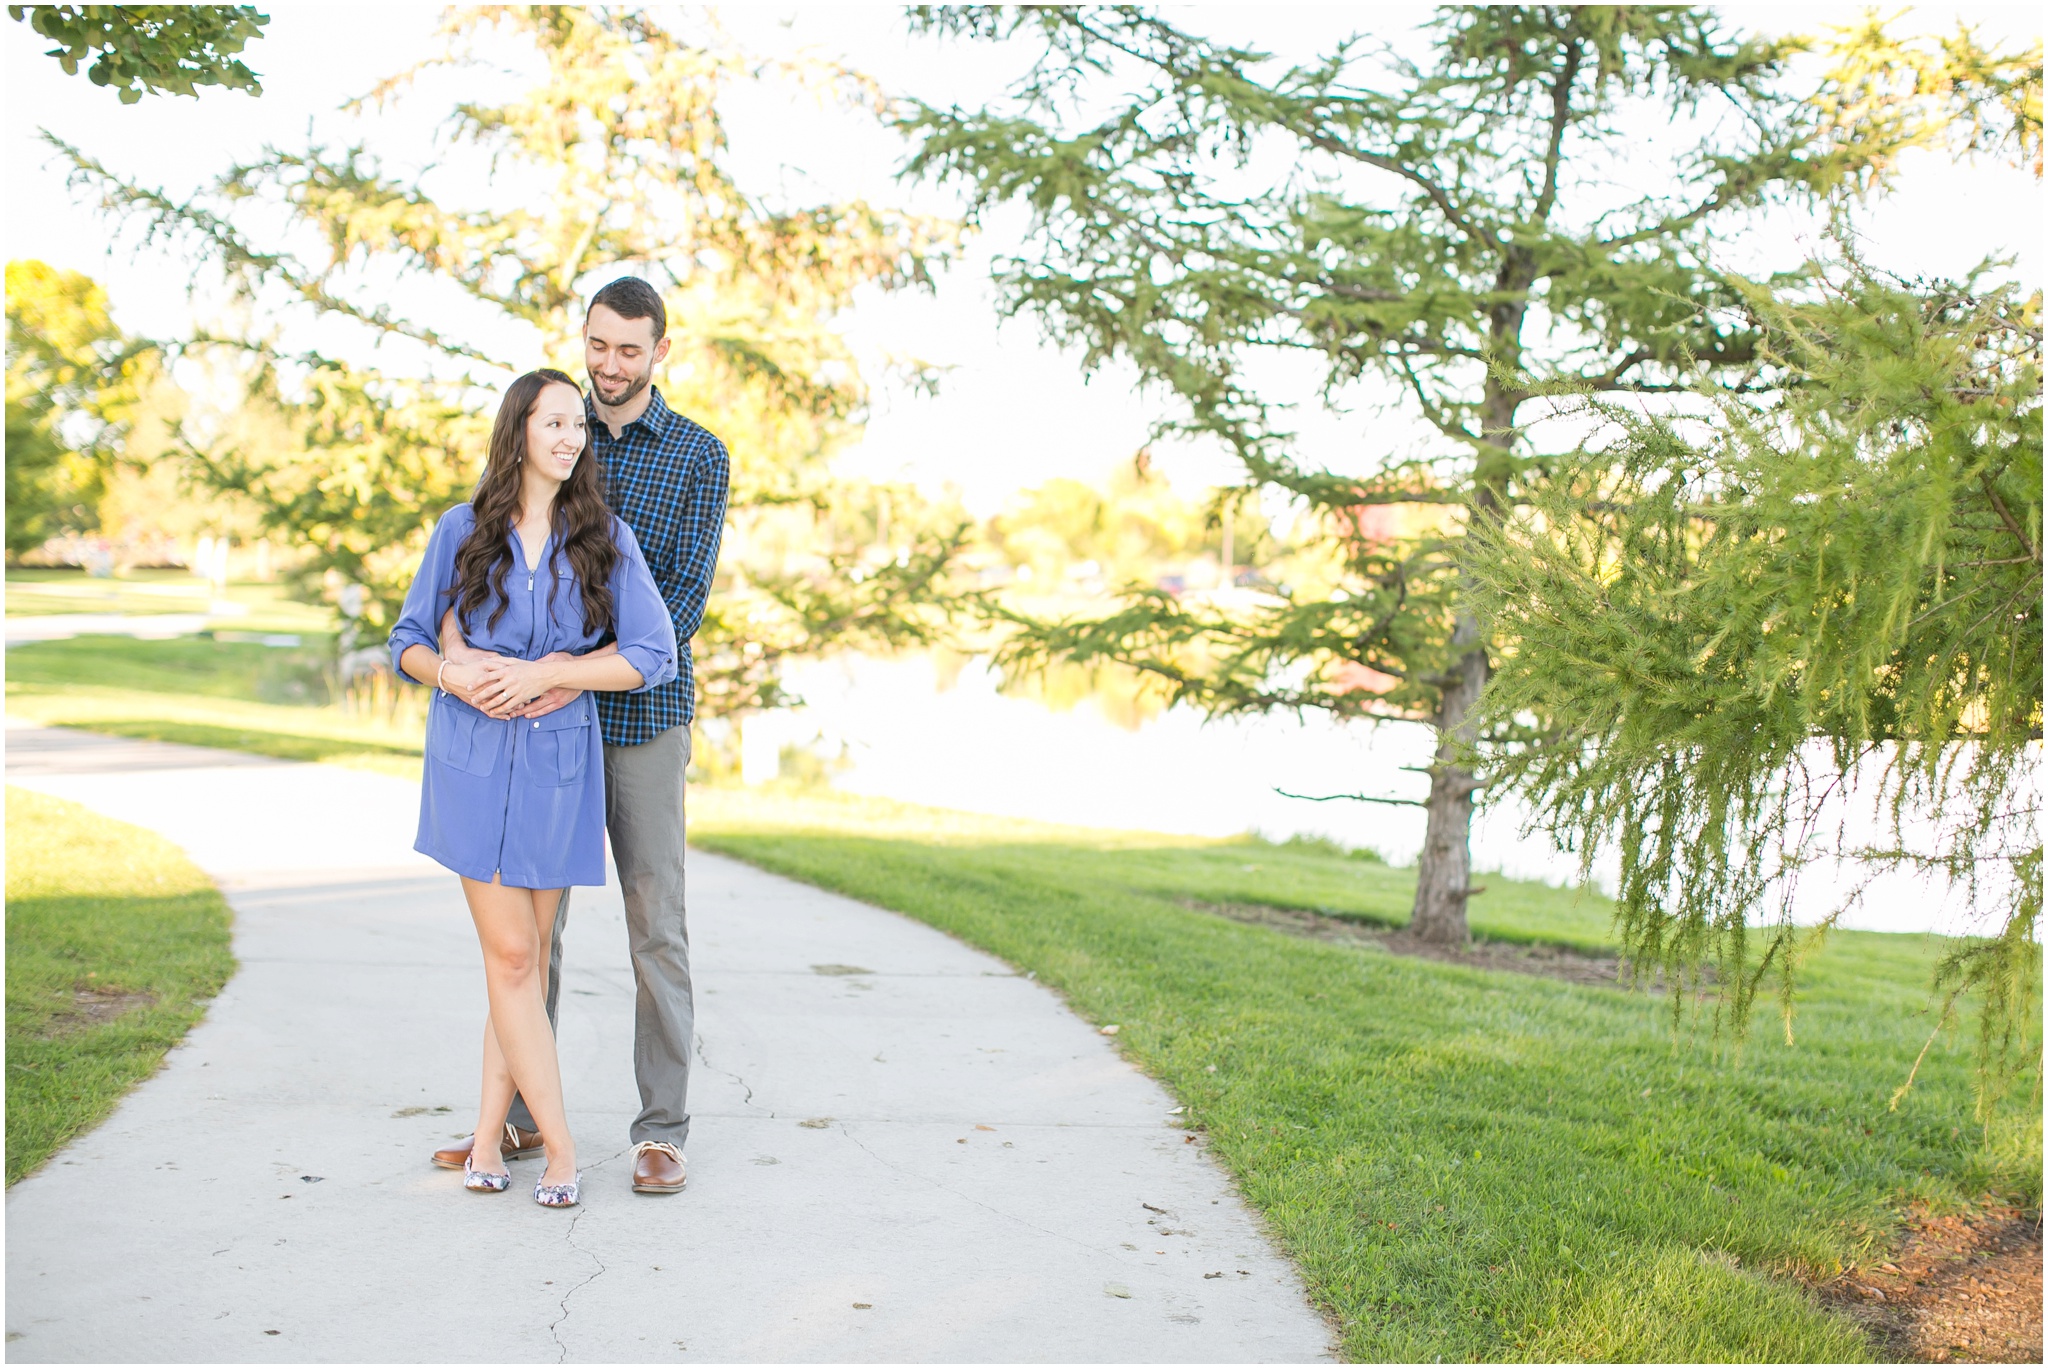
646 634
433 587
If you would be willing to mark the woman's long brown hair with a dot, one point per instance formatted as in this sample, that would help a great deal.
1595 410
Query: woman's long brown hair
580 520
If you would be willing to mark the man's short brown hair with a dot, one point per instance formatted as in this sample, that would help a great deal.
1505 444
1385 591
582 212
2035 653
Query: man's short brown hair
632 297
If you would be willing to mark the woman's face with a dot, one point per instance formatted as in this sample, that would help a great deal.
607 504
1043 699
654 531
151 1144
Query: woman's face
554 431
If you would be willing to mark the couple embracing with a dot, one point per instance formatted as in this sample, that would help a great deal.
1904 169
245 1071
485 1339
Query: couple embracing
552 616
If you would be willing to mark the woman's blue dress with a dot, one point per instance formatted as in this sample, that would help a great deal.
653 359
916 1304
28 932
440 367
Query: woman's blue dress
523 798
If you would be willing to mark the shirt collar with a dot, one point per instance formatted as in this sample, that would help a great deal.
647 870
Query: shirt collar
657 416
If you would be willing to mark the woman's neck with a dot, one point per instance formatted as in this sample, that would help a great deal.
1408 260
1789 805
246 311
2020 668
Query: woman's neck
537 498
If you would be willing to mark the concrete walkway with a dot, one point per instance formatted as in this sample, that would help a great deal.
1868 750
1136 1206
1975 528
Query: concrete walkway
901 1150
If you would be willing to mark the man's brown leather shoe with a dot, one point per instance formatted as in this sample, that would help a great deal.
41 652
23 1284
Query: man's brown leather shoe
517 1145
657 1168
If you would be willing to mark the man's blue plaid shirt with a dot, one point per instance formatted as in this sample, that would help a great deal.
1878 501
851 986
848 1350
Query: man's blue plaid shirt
666 477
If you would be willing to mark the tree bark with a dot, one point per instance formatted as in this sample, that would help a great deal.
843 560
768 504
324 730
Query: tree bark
1443 876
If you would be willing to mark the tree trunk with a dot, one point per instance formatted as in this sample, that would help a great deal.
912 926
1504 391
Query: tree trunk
1443 876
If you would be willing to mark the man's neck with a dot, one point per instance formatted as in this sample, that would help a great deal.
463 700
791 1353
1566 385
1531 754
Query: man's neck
615 420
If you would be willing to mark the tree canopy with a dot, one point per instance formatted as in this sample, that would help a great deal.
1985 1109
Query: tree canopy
72 378
1803 624
137 50
1777 634
1453 233
617 135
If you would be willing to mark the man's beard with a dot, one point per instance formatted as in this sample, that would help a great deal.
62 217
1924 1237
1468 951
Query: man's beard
633 388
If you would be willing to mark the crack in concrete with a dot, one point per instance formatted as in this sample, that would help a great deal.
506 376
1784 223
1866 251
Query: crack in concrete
745 1087
967 1198
569 1236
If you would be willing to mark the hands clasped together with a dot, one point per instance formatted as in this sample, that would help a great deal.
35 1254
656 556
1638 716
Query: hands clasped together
507 687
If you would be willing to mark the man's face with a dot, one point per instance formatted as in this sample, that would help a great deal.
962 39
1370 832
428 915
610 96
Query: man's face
620 355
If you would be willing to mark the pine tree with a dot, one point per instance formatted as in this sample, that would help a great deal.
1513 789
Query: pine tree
1805 624
618 154
1452 229
1735 638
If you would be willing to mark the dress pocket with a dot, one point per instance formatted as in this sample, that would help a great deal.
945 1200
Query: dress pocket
558 745
461 738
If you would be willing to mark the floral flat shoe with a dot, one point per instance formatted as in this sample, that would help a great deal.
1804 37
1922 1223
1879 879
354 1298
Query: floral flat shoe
478 1181
559 1195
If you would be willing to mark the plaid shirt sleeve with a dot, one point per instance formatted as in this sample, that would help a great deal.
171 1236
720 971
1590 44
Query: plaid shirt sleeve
703 527
667 478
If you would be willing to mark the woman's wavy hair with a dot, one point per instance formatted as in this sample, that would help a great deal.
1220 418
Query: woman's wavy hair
580 520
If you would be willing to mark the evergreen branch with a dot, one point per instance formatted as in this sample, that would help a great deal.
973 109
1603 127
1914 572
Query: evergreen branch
241 261
1438 196
2005 516
1360 798
1560 121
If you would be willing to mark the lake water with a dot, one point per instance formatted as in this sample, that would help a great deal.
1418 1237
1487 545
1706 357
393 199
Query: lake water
910 734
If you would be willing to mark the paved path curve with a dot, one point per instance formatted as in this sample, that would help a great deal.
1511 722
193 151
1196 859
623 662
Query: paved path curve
929 1159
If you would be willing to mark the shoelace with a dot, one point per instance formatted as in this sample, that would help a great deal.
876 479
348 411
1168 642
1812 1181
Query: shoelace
663 1146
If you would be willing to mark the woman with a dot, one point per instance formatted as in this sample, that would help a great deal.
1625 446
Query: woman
540 573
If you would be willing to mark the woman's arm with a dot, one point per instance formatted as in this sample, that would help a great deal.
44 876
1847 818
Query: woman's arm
504 684
429 667
642 654
415 637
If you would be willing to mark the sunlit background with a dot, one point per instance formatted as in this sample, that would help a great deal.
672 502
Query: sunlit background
1015 432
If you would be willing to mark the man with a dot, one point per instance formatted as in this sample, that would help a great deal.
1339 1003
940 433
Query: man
667 478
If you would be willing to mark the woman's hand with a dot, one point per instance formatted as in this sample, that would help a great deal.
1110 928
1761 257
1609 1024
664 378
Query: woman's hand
560 696
505 684
464 678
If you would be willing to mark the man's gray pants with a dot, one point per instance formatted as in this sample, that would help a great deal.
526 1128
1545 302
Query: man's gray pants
643 812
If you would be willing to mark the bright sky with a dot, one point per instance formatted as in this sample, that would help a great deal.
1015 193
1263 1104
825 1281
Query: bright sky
1012 411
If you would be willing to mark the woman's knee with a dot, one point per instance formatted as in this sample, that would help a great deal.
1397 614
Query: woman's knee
512 960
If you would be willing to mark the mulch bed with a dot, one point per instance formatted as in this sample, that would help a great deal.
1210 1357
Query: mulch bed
1551 962
1959 1290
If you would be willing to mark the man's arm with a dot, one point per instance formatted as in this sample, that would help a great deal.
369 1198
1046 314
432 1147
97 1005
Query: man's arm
702 527
458 652
453 648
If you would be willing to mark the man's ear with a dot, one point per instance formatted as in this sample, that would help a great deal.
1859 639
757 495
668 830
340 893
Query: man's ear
660 353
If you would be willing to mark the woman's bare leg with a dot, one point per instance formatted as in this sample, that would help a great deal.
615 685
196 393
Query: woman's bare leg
509 929
498 1089
485 1152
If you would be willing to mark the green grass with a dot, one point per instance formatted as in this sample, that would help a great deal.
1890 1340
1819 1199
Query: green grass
198 666
98 907
206 692
255 606
1465 1164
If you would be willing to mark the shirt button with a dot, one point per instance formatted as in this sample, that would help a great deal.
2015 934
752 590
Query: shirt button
536 724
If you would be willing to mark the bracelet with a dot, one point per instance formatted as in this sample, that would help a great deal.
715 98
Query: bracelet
437 676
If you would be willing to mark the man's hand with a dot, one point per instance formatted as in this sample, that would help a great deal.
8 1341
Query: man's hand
506 684
560 698
552 699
